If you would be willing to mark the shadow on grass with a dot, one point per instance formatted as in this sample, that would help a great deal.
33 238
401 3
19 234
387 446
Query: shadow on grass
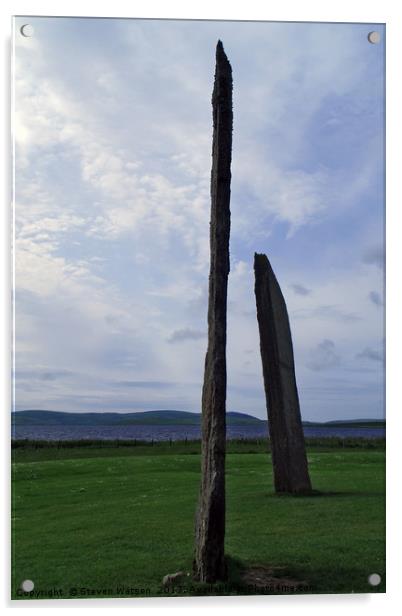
245 579
256 578
262 578
265 578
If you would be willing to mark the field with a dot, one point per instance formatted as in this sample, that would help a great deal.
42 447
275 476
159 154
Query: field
112 521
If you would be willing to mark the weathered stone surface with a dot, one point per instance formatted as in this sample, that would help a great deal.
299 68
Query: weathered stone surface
209 562
171 579
284 419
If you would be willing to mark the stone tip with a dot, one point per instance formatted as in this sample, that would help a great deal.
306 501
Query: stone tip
221 56
261 263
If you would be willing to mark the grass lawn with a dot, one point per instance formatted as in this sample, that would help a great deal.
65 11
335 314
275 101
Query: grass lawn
114 521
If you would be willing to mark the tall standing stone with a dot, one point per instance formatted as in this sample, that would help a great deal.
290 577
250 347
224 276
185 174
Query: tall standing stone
209 562
285 427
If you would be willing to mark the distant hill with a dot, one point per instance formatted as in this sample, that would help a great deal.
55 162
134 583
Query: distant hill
161 418
59 418
348 423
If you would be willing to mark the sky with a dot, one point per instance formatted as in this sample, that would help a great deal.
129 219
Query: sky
112 141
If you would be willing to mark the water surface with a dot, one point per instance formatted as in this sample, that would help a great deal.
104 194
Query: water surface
176 432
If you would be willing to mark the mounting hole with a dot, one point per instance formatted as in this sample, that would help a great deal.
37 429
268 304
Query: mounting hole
27 30
374 579
27 585
374 37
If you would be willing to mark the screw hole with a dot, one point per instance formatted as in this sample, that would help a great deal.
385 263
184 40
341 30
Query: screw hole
374 37
374 579
27 30
27 585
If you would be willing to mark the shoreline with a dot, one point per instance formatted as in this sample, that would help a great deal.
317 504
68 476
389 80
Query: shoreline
251 444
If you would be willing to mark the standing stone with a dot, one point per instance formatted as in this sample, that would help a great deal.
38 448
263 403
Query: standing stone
209 562
284 419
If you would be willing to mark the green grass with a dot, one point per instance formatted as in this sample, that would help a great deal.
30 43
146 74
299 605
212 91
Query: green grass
34 450
103 518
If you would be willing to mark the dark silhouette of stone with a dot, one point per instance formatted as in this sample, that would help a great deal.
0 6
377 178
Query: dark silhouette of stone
285 427
209 561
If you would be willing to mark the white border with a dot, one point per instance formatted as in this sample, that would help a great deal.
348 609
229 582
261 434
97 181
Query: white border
388 12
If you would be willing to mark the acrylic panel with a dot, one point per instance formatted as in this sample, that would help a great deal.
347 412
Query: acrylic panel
180 429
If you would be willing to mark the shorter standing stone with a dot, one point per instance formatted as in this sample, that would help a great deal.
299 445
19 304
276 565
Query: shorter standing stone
285 427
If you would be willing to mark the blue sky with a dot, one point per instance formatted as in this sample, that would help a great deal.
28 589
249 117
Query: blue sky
113 132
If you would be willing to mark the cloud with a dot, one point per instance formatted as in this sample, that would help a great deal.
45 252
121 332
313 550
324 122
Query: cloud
199 303
374 255
45 375
295 197
128 190
180 335
369 353
326 312
299 289
375 298
323 357
144 384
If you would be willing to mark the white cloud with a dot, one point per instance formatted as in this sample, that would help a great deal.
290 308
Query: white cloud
180 335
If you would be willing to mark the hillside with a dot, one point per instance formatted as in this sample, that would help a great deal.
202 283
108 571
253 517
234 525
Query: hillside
162 417
347 423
